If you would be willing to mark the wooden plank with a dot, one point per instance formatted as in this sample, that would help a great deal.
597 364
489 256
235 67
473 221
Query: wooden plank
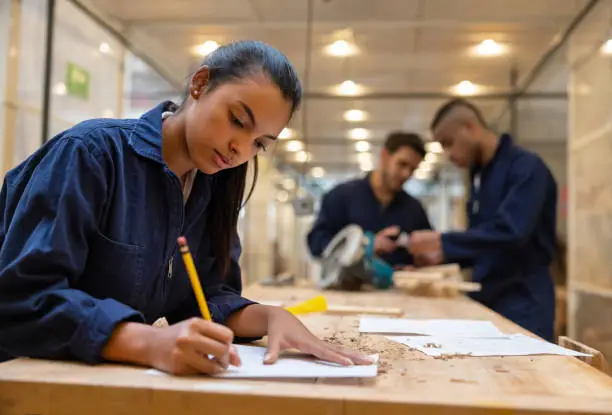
400 276
446 269
347 310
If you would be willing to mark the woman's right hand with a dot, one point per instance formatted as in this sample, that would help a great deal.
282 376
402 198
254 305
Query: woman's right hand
184 348
181 349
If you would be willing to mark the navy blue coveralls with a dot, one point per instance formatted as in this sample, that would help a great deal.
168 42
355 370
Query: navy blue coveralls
354 202
88 240
511 238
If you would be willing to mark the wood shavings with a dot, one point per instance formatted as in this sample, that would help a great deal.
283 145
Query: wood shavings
432 345
453 356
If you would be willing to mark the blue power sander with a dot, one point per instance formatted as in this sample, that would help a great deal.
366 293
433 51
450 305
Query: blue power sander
348 262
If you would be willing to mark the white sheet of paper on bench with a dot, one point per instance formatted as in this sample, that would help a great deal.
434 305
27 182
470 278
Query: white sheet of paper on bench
455 328
290 366
512 345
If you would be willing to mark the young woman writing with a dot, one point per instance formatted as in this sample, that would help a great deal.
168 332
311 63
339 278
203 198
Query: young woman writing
89 224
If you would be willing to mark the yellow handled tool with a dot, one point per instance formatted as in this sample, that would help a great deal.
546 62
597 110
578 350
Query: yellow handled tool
317 304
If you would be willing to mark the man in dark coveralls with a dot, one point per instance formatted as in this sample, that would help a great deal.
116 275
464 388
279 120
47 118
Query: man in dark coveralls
377 203
512 208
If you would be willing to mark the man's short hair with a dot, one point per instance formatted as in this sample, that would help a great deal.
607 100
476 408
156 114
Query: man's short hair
445 109
397 140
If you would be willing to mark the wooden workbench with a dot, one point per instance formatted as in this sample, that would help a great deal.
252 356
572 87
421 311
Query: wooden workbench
409 382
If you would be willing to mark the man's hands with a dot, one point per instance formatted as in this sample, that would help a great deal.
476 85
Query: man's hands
426 247
383 244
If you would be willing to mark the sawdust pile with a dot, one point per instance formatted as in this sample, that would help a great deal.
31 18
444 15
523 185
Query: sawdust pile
388 351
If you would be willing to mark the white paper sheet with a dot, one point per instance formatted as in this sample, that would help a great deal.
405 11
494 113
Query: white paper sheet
451 328
289 366
512 345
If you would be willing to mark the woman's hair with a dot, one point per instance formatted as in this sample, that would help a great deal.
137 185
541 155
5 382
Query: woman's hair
228 63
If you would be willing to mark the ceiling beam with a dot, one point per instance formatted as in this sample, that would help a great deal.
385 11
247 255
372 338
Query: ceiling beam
377 142
431 95
189 22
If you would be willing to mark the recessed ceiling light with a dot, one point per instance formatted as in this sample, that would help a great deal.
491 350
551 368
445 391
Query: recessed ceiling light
425 166
606 49
303 156
294 145
282 196
349 87
355 115
362 146
421 174
434 147
366 165
341 48
206 48
489 47
359 134
364 158
286 133
288 183
60 89
317 172
104 47
465 88
108 113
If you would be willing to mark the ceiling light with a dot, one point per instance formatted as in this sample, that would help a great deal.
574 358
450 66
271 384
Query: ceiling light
465 88
354 115
317 172
421 175
425 166
364 157
341 48
434 147
294 145
349 87
60 89
104 47
282 196
362 146
489 47
303 157
431 157
359 134
366 166
108 113
606 49
286 133
288 183
206 48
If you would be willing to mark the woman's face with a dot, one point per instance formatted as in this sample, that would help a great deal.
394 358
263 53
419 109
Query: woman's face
228 126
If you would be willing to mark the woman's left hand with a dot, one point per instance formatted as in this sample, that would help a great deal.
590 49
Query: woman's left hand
285 331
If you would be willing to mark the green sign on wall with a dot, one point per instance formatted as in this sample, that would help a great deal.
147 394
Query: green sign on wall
77 81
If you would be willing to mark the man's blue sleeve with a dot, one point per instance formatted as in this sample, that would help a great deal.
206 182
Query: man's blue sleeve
514 220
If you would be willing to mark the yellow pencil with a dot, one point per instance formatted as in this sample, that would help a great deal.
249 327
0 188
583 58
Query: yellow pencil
193 277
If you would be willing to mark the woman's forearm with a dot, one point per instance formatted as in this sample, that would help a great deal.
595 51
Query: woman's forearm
251 321
129 344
